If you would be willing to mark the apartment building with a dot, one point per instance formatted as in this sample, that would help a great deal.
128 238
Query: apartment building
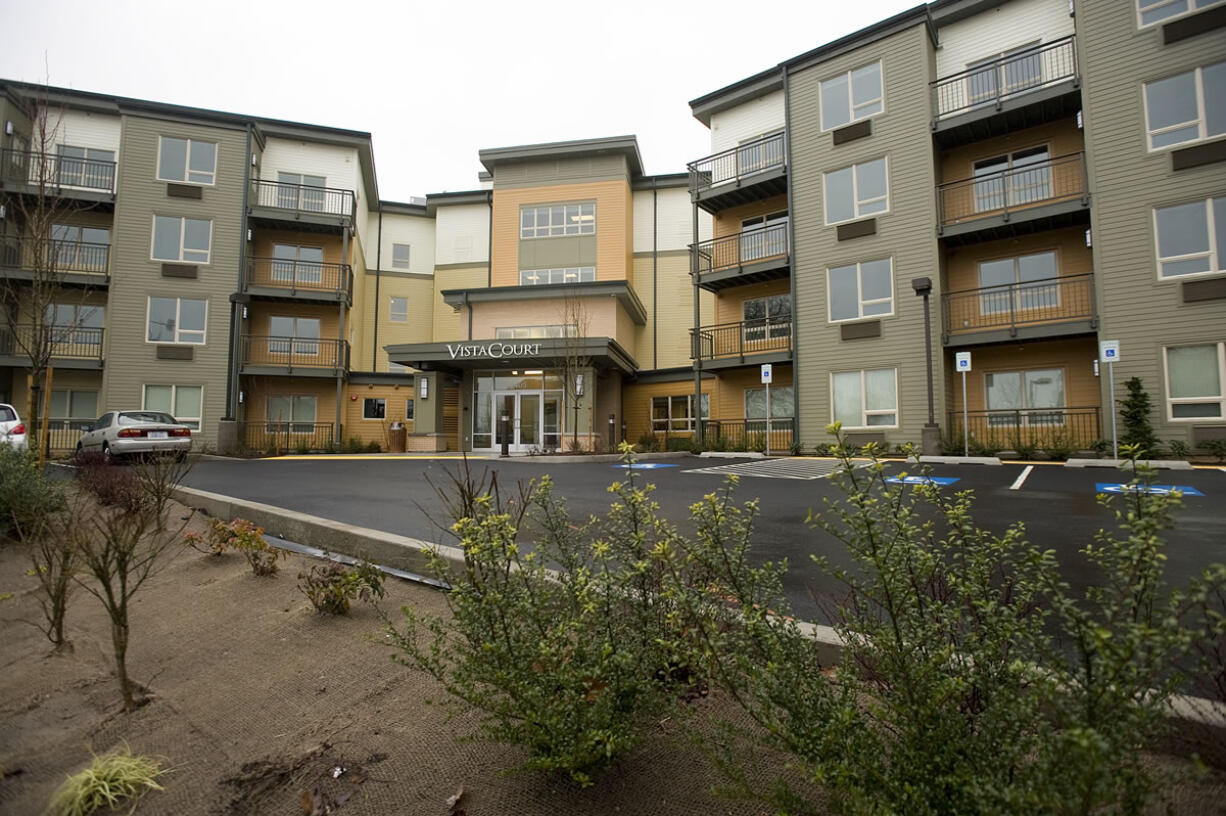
1027 177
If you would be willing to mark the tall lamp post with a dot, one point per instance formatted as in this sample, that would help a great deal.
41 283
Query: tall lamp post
930 440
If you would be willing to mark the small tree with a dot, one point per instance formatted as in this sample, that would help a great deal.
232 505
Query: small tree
1134 410
575 361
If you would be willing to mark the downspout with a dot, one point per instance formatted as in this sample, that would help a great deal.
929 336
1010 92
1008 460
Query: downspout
489 255
655 276
374 348
787 157
236 308
695 345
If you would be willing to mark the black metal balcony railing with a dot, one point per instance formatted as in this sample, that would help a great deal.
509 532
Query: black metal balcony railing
303 198
1055 431
1003 193
295 276
56 172
63 342
1052 300
740 340
737 163
733 435
55 255
295 352
742 249
277 436
1009 76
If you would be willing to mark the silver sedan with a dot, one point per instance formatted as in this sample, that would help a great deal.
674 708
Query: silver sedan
128 433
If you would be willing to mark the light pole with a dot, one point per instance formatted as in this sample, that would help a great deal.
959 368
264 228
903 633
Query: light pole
930 441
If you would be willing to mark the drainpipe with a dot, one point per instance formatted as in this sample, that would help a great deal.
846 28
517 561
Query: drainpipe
655 277
489 255
695 346
236 309
374 346
787 157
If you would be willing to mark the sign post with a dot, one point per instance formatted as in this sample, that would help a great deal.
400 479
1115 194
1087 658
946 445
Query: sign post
766 380
1109 353
962 361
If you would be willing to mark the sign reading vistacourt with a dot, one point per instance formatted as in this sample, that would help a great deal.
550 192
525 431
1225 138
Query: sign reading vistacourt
493 351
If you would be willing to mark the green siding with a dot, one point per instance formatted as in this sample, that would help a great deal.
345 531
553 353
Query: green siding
561 171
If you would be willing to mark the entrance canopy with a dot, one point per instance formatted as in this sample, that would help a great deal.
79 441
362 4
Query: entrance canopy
541 352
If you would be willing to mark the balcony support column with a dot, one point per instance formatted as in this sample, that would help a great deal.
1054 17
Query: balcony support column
341 362
697 409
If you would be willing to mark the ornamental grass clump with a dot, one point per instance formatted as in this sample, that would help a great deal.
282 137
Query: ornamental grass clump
110 781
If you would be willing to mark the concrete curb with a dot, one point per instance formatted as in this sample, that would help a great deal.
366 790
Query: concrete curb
1124 464
960 460
595 457
732 455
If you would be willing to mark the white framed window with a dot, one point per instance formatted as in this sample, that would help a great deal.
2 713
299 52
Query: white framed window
534 332
184 240
187 160
1188 107
80 249
1194 377
1190 238
1157 11
865 399
676 413
71 408
294 413
569 274
408 410
767 318
85 167
1020 177
860 290
1026 396
302 333
1018 284
852 96
75 323
400 256
764 236
557 219
183 402
300 191
374 408
297 264
1004 73
176 320
398 310
856 191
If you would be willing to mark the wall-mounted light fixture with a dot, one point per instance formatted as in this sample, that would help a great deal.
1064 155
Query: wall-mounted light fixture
244 313
8 128
578 385
241 397
423 389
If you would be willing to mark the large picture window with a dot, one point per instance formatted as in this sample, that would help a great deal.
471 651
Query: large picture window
767 318
1024 395
183 402
75 323
80 249
856 191
1194 377
183 240
302 333
1017 284
177 320
852 96
755 406
85 167
71 408
557 219
187 160
676 413
300 191
290 412
1191 238
865 399
1187 107
861 290
297 264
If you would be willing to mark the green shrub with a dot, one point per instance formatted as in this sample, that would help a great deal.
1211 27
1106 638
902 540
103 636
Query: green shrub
302 447
109 782
1179 449
26 494
374 447
682 444
1060 446
331 587
1215 447
241 535
353 445
1134 411
648 442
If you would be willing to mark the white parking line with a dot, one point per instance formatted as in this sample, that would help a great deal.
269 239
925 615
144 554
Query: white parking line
1021 478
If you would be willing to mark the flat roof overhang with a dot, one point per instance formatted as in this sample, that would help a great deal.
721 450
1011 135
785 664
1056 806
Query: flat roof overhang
620 289
543 352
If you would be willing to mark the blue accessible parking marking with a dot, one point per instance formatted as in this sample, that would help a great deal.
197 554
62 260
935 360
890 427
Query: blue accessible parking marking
644 466
1109 487
936 480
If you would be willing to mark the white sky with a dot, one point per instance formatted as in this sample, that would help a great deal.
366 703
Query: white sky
433 82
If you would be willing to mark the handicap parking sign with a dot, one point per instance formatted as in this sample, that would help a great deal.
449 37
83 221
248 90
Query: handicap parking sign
1161 490
936 480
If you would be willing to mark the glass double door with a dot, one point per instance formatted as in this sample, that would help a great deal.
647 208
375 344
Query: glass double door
533 420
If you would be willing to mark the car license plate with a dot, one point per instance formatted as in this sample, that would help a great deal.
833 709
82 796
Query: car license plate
157 434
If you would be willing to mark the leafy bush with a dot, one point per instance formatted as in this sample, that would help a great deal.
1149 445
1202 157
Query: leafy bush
1134 411
353 445
682 444
331 587
26 494
111 485
241 535
1179 449
374 447
1216 447
648 442
302 447
109 782
1024 447
1060 446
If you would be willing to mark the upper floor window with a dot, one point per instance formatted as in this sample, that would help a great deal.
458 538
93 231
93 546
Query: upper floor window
767 317
557 219
176 320
534 332
857 191
300 332
852 96
1194 378
297 264
570 274
298 191
398 310
1155 11
181 239
85 167
75 323
400 256
187 160
80 249
1187 107
1191 238
861 290
1015 284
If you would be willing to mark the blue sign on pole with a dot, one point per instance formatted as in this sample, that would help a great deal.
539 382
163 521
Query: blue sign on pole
936 480
1162 490
644 466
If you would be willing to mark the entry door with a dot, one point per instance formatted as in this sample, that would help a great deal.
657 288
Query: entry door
523 409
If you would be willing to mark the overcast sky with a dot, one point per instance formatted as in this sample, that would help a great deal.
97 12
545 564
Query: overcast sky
433 82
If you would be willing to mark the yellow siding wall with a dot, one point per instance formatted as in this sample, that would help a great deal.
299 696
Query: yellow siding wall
1073 257
371 430
636 402
418 329
728 222
452 324
1074 357
261 314
263 241
729 306
1061 137
363 289
729 400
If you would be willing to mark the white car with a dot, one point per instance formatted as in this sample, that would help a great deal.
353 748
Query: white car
12 429
129 433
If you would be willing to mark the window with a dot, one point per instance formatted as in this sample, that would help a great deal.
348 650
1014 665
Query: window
534 332
764 236
297 264
300 332
181 239
75 323
176 320
851 96
861 290
1005 179
1004 74
557 219
399 310
72 409
79 249
1022 396
865 399
1187 107
374 408
298 191
856 191
755 406
767 317
183 402
1153 11
408 410
400 256
186 160
291 413
1191 238
1194 377
86 167
676 413
570 274
1016 284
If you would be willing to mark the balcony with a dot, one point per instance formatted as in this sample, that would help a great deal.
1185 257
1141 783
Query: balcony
1016 91
296 356
753 256
78 348
731 434
298 280
1059 430
302 206
1026 198
748 342
748 172
58 176
1053 307
285 436
72 263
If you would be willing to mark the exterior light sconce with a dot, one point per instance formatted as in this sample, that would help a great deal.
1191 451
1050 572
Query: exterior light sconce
578 385
423 389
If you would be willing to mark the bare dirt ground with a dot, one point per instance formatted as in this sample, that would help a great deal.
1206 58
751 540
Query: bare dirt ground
256 700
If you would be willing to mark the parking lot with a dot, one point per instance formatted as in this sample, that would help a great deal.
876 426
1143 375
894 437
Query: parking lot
1058 505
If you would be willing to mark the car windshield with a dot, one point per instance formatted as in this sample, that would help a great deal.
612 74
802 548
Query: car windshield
7 414
141 417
